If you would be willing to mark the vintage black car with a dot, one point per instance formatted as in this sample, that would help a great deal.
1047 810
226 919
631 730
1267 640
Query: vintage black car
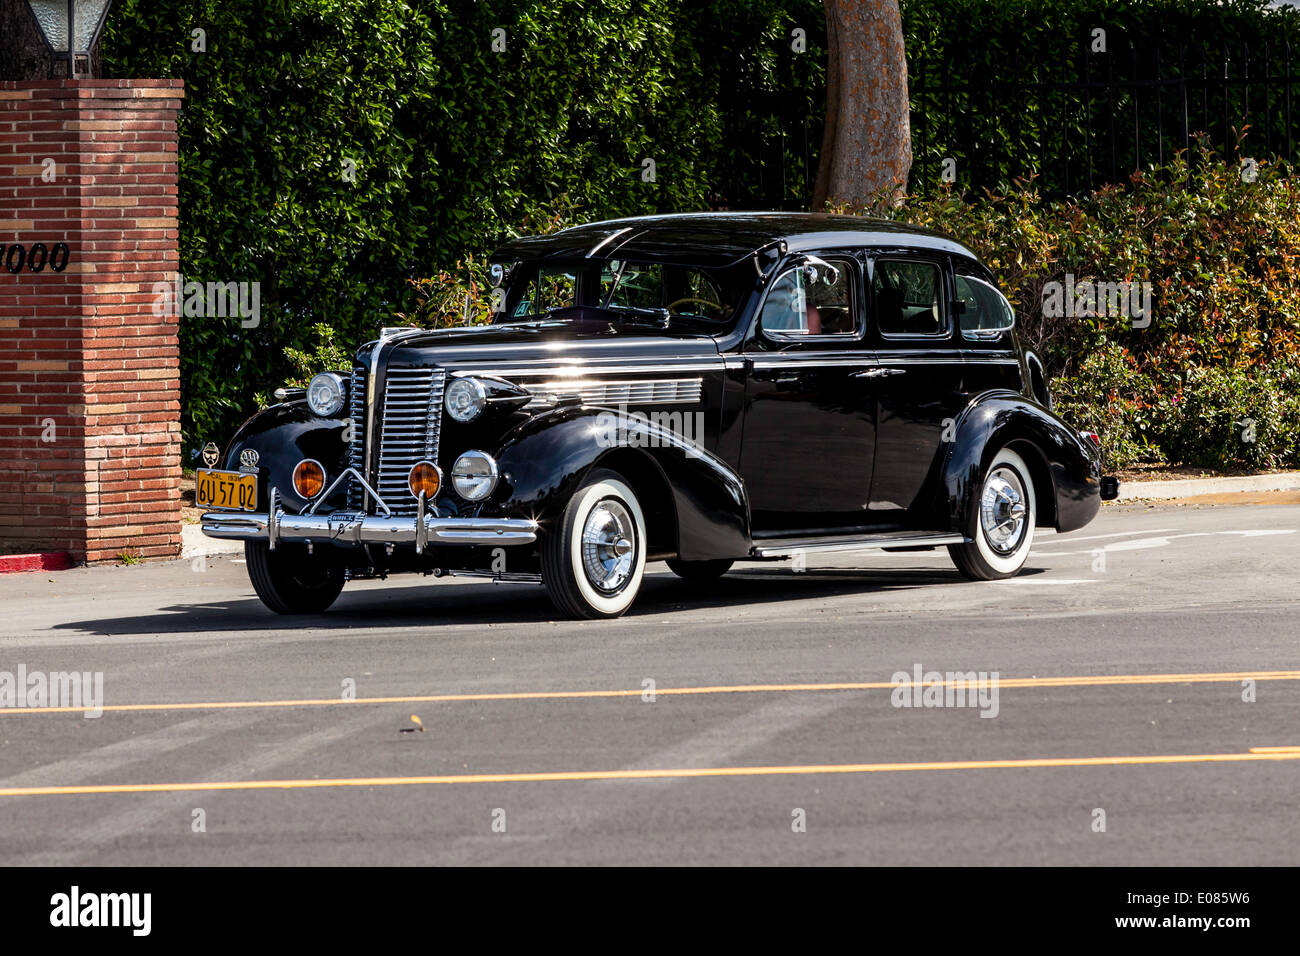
701 389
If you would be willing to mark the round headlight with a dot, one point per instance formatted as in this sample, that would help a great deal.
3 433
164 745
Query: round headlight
465 399
325 394
474 475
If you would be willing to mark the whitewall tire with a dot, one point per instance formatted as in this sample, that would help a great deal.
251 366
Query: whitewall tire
594 559
1001 523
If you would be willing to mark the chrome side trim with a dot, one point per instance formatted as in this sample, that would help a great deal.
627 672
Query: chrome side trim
551 369
815 363
778 549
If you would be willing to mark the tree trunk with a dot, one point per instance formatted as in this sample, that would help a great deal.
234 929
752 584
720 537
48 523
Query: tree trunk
867 145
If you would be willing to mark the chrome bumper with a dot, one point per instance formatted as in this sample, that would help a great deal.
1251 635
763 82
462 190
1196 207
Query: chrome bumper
354 529
349 528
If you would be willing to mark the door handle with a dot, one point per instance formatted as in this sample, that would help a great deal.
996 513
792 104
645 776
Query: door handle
878 373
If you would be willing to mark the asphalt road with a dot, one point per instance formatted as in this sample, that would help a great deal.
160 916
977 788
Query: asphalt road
1096 712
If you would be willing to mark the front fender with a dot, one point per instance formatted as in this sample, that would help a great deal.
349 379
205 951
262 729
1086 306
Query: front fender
282 436
543 462
1066 469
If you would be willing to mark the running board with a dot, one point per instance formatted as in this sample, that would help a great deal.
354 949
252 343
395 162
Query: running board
781 548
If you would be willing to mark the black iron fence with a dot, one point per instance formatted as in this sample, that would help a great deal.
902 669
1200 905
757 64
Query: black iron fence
1076 125
1073 123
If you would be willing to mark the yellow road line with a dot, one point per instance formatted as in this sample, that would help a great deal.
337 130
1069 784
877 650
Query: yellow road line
1100 680
586 775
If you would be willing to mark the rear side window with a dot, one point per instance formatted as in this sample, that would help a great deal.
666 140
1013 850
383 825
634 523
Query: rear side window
986 312
907 297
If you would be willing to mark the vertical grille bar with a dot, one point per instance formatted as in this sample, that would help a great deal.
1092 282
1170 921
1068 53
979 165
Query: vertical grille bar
433 429
356 451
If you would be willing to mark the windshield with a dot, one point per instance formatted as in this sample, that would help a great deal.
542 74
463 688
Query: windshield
689 294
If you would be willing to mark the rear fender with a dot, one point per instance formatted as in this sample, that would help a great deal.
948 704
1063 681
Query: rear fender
1066 470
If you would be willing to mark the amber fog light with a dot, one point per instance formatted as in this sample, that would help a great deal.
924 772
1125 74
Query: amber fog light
425 477
308 478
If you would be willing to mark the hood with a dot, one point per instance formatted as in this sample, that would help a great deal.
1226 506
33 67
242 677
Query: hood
541 343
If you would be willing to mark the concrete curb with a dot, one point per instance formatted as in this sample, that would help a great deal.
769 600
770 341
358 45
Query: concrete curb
194 543
50 561
1191 487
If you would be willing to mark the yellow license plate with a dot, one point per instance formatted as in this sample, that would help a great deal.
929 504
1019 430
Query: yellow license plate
232 490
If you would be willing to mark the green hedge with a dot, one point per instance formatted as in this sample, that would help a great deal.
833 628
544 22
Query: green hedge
456 146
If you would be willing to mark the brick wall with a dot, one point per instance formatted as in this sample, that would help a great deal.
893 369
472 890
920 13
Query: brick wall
89 383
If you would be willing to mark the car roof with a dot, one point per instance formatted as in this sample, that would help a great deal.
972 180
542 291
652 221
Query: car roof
721 238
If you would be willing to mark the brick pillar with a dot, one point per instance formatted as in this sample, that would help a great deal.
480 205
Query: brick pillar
89 375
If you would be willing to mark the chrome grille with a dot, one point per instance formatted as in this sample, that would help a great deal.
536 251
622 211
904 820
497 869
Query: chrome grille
664 391
411 423
357 448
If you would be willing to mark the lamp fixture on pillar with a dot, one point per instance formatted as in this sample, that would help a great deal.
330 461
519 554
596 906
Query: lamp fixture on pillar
70 29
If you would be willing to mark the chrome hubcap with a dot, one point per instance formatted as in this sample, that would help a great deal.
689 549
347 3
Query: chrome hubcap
608 546
1002 510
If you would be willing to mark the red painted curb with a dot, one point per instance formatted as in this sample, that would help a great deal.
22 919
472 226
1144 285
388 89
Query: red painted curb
51 561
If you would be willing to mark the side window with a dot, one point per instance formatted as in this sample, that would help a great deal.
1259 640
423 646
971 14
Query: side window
815 298
987 313
625 284
908 294
547 290
700 297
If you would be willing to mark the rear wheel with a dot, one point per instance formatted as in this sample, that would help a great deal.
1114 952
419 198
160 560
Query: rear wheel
1001 524
291 581
593 561
700 571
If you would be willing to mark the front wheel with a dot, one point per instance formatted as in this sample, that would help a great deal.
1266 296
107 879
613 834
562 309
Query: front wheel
593 561
291 581
1001 525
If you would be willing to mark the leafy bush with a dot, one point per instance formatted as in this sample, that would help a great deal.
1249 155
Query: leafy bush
1226 418
1223 256
325 355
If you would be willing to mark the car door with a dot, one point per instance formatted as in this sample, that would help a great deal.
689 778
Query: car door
809 419
920 391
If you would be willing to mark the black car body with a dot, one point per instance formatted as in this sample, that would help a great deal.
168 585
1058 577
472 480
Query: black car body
732 386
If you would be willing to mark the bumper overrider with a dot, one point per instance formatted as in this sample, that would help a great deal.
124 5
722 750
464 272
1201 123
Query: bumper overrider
354 529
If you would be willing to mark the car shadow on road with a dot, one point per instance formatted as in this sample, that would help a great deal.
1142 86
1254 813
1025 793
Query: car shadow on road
484 602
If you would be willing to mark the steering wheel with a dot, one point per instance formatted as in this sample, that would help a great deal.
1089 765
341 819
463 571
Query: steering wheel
672 306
